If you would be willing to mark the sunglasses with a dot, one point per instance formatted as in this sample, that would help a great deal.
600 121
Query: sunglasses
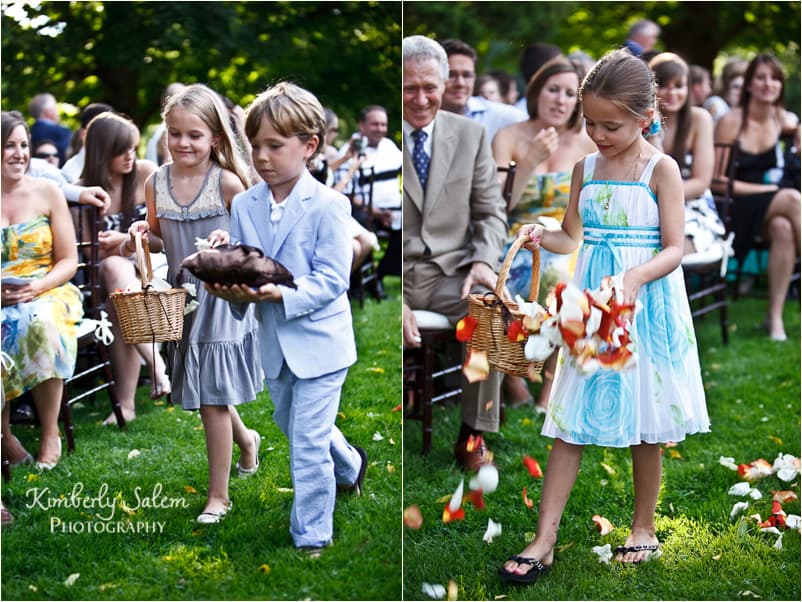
45 155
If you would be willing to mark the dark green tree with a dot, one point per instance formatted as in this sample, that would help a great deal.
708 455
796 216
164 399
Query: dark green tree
125 53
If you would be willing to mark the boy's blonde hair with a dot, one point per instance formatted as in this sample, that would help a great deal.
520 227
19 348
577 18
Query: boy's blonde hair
292 110
207 105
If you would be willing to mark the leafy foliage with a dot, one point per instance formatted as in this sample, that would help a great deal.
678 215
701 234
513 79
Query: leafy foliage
704 33
125 53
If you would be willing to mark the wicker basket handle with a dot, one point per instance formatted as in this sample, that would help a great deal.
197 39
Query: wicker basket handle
505 269
143 260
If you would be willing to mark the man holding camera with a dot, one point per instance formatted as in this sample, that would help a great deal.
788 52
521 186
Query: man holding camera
375 191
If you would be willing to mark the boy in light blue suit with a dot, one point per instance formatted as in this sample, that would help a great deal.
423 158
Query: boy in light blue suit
307 338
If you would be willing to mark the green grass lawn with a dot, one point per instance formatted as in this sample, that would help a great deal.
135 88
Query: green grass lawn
249 555
753 397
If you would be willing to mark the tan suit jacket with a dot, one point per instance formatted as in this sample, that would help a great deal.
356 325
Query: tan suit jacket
461 219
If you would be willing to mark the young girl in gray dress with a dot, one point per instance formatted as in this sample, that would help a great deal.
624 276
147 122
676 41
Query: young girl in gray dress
216 365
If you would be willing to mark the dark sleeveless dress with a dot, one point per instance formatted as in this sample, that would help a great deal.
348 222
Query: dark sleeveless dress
749 210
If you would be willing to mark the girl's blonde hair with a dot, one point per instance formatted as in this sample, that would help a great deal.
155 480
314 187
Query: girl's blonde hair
207 105
623 79
292 110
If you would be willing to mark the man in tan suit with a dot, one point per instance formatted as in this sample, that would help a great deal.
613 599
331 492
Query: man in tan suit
453 219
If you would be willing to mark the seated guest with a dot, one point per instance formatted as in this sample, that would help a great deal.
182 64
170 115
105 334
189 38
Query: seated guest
761 204
642 37
375 192
487 87
75 165
729 92
687 135
41 308
44 109
507 86
111 163
699 85
458 97
46 150
530 60
454 226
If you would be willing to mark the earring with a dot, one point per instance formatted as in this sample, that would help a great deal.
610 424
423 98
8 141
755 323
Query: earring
652 129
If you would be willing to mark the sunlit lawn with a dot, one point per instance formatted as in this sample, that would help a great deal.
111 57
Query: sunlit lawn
156 473
753 396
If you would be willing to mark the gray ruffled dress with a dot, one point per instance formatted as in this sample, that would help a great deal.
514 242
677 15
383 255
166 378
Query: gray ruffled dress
217 361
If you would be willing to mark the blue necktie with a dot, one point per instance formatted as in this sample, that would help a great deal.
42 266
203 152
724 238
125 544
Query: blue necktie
419 157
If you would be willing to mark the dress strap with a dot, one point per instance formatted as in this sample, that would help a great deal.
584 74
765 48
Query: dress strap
589 167
647 173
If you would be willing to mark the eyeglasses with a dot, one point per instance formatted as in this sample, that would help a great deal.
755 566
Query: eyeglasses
45 155
452 75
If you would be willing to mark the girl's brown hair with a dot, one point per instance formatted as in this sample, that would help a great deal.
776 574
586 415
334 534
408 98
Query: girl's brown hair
668 67
749 75
109 135
10 121
208 106
623 79
555 66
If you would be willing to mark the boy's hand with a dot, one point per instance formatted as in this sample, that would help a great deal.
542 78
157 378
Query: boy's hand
238 293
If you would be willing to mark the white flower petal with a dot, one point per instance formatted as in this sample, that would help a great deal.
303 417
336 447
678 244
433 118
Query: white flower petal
133 453
538 348
793 522
740 489
786 474
69 581
487 478
456 499
377 436
728 462
738 508
755 494
772 530
605 553
778 545
434 590
493 530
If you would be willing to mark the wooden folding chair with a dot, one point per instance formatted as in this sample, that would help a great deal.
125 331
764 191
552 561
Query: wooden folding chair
93 365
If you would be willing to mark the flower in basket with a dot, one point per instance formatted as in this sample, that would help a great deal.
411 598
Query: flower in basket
592 327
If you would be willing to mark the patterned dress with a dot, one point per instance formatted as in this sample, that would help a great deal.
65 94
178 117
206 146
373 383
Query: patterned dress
38 336
661 399
545 195
217 361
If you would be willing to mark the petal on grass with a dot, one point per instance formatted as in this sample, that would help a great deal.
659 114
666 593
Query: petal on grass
434 590
190 489
453 590
793 522
740 489
413 517
69 581
728 462
449 516
493 530
784 496
605 526
265 568
529 503
134 453
758 469
605 553
738 508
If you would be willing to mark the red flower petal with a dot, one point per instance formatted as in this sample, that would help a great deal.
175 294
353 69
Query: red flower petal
533 467
516 332
605 526
465 328
449 516
529 503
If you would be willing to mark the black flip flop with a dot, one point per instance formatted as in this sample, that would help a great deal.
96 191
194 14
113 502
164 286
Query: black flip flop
532 575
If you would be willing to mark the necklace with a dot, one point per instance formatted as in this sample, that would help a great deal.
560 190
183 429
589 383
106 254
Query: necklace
609 196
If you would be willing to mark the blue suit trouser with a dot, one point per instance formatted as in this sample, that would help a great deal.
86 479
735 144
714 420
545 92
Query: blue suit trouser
320 456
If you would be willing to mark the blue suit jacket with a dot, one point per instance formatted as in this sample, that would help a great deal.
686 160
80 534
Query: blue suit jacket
311 329
59 134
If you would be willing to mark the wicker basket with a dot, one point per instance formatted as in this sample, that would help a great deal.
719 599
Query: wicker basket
149 316
493 316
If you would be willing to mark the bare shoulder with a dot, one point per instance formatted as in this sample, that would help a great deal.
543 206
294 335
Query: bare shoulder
231 182
701 116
